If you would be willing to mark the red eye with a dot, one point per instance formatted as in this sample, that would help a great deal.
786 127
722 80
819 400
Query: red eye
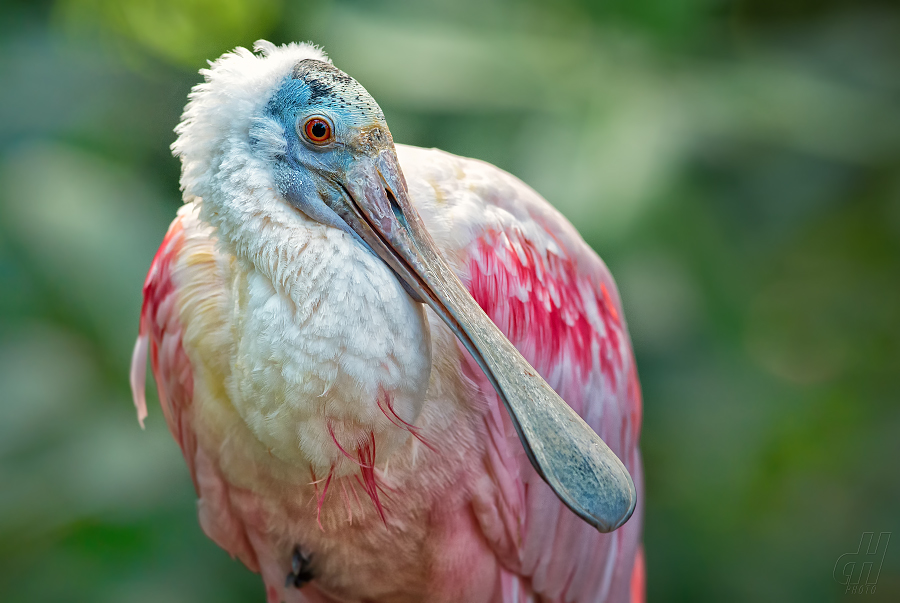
317 130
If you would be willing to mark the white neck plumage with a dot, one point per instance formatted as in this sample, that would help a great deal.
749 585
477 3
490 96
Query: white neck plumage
333 357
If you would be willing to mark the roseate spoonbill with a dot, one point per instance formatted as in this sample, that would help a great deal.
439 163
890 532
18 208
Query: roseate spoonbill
321 327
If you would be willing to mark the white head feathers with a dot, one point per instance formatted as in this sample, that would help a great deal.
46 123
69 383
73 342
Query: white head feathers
214 133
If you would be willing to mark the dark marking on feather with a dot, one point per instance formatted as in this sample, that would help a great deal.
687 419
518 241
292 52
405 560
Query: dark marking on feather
301 569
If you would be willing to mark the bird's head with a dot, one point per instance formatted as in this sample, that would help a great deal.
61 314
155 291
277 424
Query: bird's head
338 156
269 136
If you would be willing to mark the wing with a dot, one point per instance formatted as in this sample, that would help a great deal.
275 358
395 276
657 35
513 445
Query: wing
555 300
161 331
185 290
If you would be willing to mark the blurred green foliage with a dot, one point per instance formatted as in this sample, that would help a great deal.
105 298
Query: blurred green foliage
737 164
184 33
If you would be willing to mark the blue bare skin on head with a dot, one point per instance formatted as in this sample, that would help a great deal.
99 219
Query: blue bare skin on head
309 175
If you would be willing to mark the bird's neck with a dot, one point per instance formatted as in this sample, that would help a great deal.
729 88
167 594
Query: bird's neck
332 356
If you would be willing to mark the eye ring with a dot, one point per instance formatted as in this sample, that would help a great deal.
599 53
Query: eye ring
318 130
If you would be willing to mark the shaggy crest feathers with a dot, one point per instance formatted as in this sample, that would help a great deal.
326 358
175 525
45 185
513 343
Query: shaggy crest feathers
223 111
227 146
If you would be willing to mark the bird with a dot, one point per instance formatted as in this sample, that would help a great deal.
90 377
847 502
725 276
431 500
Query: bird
395 374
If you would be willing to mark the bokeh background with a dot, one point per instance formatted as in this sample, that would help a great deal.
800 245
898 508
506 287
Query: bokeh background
736 163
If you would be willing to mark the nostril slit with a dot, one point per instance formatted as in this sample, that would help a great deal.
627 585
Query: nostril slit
395 207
